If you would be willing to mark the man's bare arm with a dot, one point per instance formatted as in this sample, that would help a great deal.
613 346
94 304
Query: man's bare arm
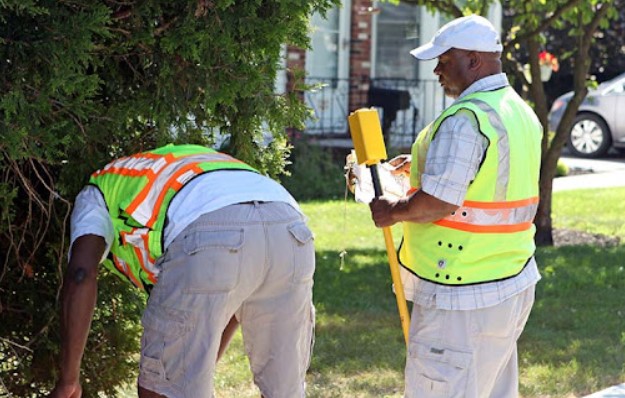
418 208
78 304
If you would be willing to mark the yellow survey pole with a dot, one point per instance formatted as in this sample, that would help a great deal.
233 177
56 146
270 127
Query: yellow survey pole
366 132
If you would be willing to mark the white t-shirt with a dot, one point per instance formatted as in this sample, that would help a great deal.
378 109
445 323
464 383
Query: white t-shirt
205 193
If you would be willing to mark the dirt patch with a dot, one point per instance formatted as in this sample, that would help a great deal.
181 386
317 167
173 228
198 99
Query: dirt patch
569 237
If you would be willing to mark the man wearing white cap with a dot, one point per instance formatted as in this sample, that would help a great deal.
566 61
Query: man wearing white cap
468 248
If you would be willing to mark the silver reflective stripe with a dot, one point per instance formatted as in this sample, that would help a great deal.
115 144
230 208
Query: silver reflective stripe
143 213
136 163
119 262
503 149
139 238
502 216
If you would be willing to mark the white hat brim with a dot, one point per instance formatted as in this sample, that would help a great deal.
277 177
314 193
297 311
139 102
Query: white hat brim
428 51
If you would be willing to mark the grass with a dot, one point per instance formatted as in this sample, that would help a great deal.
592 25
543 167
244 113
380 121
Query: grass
592 210
574 342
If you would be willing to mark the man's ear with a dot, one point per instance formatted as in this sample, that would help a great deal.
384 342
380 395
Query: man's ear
475 60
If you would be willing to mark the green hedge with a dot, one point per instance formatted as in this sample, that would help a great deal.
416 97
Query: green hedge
316 172
85 81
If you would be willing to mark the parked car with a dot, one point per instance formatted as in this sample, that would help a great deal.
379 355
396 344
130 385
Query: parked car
600 120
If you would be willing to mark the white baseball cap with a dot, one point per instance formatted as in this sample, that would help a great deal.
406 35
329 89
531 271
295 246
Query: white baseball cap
473 33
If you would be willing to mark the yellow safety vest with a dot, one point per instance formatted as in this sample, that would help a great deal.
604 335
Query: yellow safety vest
491 236
137 190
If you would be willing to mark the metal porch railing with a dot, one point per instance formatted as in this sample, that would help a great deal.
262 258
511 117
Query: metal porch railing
405 106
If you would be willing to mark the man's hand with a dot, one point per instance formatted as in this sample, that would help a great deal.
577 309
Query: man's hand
350 177
64 390
382 212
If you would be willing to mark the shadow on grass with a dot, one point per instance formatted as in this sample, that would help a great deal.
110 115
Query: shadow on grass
574 341
573 344
358 329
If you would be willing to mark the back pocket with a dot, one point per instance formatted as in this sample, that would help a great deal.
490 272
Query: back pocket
213 261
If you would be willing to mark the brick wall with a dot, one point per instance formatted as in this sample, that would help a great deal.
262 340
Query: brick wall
295 66
360 52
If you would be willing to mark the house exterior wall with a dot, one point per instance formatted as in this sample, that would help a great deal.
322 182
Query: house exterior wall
360 52
349 89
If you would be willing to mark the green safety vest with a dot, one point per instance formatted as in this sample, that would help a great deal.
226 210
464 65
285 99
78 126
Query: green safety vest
137 190
491 236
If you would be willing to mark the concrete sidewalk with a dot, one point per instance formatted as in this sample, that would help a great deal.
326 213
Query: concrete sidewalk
597 174
612 392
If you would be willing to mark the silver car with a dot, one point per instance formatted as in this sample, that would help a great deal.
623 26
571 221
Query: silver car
600 121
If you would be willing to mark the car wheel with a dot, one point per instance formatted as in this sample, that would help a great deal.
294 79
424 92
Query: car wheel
590 137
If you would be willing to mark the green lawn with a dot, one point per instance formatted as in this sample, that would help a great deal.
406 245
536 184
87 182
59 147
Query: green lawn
574 342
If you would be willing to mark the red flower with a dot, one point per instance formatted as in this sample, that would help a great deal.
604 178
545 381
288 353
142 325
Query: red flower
548 59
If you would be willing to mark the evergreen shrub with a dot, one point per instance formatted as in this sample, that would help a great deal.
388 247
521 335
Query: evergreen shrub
82 82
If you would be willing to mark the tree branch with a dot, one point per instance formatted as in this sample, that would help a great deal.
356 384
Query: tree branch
546 23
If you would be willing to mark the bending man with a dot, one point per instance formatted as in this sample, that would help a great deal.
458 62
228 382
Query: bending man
215 243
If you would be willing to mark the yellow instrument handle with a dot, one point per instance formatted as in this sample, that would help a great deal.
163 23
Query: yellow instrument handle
399 287
366 132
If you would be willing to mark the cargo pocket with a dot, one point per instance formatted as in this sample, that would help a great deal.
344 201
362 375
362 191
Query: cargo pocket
162 344
214 261
434 370
303 252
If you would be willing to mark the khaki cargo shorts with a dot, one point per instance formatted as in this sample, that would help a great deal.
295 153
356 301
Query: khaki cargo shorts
255 260
466 354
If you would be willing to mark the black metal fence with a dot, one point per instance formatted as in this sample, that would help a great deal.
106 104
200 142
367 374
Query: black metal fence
405 106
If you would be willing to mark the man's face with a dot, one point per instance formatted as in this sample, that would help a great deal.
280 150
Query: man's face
453 70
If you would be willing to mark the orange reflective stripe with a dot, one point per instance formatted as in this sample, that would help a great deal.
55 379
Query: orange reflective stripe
133 172
128 274
120 267
111 168
140 252
146 244
473 216
484 228
141 196
144 192
140 255
501 205
124 171
168 156
411 191
171 183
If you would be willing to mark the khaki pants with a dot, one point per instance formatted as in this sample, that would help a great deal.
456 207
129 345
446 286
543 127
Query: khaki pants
254 260
466 354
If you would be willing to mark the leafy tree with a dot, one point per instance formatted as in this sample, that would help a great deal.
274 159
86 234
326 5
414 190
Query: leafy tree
529 24
84 81
584 20
604 64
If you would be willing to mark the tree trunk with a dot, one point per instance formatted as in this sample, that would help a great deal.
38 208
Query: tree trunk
544 236
543 221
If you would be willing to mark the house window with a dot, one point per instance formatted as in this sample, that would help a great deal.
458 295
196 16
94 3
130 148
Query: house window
322 62
397 29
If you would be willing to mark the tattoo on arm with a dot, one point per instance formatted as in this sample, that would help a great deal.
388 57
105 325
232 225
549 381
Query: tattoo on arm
78 275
